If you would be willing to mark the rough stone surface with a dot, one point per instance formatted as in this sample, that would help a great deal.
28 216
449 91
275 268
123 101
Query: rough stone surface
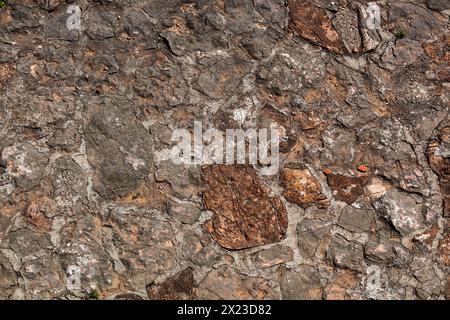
87 118
303 283
278 254
245 214
356 220
313 24
347 189
310 233
301 187
346 254
228 283
401 210
178 287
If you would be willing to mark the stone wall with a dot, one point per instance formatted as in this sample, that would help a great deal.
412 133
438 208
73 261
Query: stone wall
359 209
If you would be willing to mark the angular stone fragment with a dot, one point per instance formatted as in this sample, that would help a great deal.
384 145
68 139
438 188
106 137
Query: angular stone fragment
338 143
301 187
246 215
301 284
56 28
8 277
241 15
100 25
386 152
230 284
42 278
199 249
139 25
310 233
342 282
423 270
143 244
345 188
273 256
346 24
345 254
37 217
401 210
275 12
118 147
380 247
259 45
439 157
184 179
418 22
184 211
69 179
222 77
25 164
356 220
178 287
25 242
404 53
444 247
313 24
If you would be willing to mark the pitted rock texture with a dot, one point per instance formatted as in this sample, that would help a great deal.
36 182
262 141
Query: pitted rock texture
90 202
245 214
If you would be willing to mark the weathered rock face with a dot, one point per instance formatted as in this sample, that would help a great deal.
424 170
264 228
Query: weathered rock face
347 189
92 93
228 283
303 284
310 233
439 158
117 146
313 24
245 214
179 287
302 188
401 210
25 164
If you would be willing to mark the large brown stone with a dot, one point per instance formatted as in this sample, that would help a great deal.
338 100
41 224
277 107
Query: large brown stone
345 188
313 24
301 187
246 215
178 287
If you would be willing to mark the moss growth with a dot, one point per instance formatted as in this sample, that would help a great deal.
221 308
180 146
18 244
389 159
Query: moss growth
2 3
94 295
400 34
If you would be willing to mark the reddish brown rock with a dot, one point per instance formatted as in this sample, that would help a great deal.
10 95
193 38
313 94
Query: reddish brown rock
178 287
301 187
36 216
444 247
438 50
313 24
246 215
345 188
441 164
343 281
447 289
